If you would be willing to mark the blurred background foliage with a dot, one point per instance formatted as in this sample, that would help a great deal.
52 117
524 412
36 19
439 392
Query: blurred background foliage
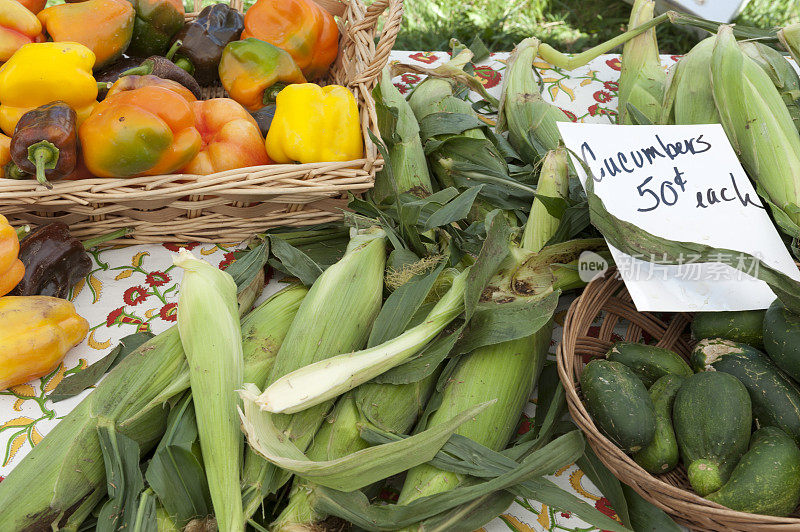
568 25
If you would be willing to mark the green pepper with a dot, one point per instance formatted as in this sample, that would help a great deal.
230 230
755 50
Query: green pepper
154 26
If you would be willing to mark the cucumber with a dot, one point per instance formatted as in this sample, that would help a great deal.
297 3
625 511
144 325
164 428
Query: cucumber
712 419
662 455
618 402
745 326
767 478
782 338
775 398
649 362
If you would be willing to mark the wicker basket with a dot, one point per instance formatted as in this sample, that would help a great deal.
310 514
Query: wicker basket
591 327
230 206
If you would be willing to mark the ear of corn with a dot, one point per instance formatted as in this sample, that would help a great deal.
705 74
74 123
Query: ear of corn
553 183
208 322
757 123
531 122
335 317
782 74
689 98
507 372
395 407
322 381
401 136
642 80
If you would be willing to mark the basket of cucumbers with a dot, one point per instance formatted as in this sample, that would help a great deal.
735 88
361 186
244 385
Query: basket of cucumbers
700 414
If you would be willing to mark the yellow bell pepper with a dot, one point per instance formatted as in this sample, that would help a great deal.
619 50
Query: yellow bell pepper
35 334
315 124
40 73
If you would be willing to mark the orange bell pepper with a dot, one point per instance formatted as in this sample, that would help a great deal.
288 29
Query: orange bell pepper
18 26
301 27
144 131
5 155
103 26
129 83
231 138
11 268
34 6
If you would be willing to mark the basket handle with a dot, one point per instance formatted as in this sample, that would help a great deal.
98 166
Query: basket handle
377 55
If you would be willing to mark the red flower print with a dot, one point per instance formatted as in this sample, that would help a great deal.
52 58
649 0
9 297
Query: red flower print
566 515
424 57
401 87
169 312
410 78
603 505
144 327
488 76
592 109
134 295
570 115
615 63
611 85
113 316
176 247
130 320
675 58
602 96
157 278
524 425
227 260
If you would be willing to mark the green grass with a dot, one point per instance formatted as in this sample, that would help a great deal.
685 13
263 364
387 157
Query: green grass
429 24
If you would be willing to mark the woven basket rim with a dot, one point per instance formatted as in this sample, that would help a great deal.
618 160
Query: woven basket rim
684 505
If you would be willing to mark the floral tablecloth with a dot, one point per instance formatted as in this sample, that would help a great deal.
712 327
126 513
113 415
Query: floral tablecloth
136 289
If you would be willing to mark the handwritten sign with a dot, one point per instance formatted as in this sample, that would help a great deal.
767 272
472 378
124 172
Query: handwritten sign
682 183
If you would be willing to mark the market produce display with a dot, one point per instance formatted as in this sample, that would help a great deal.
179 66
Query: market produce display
409 336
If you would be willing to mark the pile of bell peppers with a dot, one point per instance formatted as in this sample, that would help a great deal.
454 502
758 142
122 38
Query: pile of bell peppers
114 88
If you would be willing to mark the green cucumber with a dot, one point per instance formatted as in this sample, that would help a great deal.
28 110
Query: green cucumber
712 418
618 403
782 338
745 326
649 362
767 478
662 455
775 398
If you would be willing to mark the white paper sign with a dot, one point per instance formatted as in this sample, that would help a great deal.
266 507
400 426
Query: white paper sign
682 183
722 10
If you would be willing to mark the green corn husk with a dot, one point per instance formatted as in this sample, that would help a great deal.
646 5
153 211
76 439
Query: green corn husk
553 183
782 74
395 408
789 37
335 317
68 464
528 118
642 80
210 332
400 132
758 125
689 98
